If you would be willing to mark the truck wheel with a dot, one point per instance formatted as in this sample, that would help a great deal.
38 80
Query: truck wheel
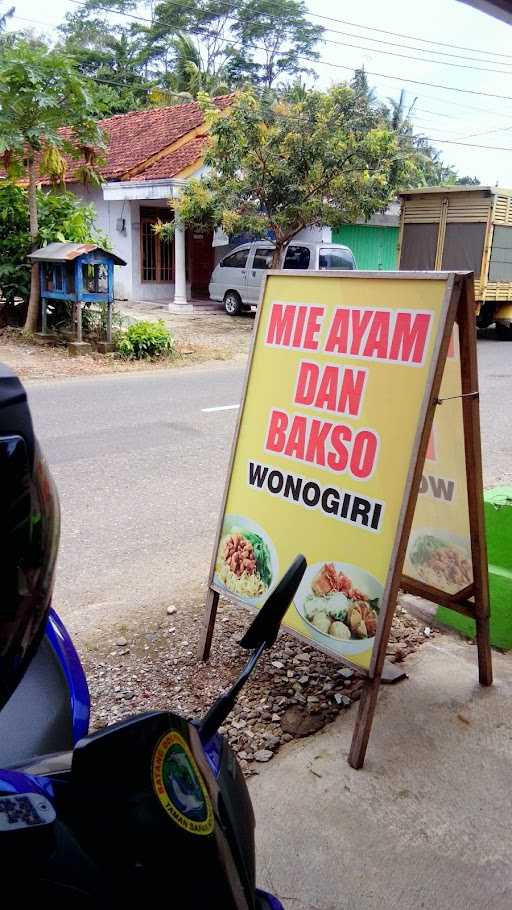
503 332
485 317
232 303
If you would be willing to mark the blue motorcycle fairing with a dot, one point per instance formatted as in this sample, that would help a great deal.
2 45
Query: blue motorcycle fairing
65 652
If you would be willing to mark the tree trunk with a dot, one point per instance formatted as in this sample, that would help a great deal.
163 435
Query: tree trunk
33 303
277 257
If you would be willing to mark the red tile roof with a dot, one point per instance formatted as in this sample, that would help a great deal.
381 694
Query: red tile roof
171 164
134 137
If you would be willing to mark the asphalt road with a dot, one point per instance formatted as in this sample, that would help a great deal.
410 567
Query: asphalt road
140 467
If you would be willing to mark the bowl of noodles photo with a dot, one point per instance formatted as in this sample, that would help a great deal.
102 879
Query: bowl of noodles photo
440 559
246 564
340 603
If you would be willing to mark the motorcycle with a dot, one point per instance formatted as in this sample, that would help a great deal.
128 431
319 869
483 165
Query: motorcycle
154 807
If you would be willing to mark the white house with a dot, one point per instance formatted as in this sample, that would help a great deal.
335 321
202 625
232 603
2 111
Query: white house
149 157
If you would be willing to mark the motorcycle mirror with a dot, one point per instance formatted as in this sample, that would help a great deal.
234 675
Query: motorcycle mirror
261 634
265 625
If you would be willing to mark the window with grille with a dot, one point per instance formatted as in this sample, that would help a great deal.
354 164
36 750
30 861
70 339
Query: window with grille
157 256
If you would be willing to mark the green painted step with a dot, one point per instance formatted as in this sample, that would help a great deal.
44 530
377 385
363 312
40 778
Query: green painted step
498 524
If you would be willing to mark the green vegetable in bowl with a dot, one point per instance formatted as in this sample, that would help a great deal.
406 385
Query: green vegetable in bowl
424 548
262 554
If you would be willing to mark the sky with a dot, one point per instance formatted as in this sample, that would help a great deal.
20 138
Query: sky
442 42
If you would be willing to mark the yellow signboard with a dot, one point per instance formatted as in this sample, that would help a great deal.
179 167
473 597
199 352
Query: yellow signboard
337 395
439 551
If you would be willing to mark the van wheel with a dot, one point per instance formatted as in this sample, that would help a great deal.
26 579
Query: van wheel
232 303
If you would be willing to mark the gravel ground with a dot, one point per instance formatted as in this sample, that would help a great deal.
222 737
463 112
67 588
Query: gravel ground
294 691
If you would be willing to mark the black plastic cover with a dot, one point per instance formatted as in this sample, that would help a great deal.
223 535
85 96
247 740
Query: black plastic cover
29 536
129 780
15 419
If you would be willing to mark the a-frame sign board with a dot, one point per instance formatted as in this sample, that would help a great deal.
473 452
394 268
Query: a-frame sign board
341 391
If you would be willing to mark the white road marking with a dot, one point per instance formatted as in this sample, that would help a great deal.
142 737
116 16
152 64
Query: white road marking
222 407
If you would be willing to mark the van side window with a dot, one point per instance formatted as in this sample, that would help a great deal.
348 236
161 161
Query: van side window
335 259
297 257
262 258
236 260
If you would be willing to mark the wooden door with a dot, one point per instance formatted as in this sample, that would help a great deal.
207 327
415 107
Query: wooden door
200 261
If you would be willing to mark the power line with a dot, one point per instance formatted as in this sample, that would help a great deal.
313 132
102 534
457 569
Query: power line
384 31
502 129
339 66
100 79
410 47
423 110
471 145
427 126
331 63
230 5
327 63
449 88
49 25
458 104
377 50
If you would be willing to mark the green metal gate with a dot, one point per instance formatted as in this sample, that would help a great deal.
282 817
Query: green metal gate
374 246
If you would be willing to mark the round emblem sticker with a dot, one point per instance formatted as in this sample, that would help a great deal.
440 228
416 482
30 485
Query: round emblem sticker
179 786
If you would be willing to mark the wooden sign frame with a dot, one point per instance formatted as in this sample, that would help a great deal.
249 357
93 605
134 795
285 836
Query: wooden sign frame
473 601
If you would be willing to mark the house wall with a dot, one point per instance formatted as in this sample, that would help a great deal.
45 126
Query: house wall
127 279
374 246
147 291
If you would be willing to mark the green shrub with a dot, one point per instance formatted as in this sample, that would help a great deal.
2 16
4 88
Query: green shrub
62 216
145 340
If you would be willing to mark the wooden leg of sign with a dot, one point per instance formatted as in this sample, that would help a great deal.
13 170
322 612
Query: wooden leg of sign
205 643
484 651
473 453
377 667
364 721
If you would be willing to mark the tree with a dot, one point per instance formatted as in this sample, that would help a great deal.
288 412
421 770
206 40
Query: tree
361 86
467 181
257 40
280 166
275 37
425 166
5 16
204 23
41 92
114 60
188 77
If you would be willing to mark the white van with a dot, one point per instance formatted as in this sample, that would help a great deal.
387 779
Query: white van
237 278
